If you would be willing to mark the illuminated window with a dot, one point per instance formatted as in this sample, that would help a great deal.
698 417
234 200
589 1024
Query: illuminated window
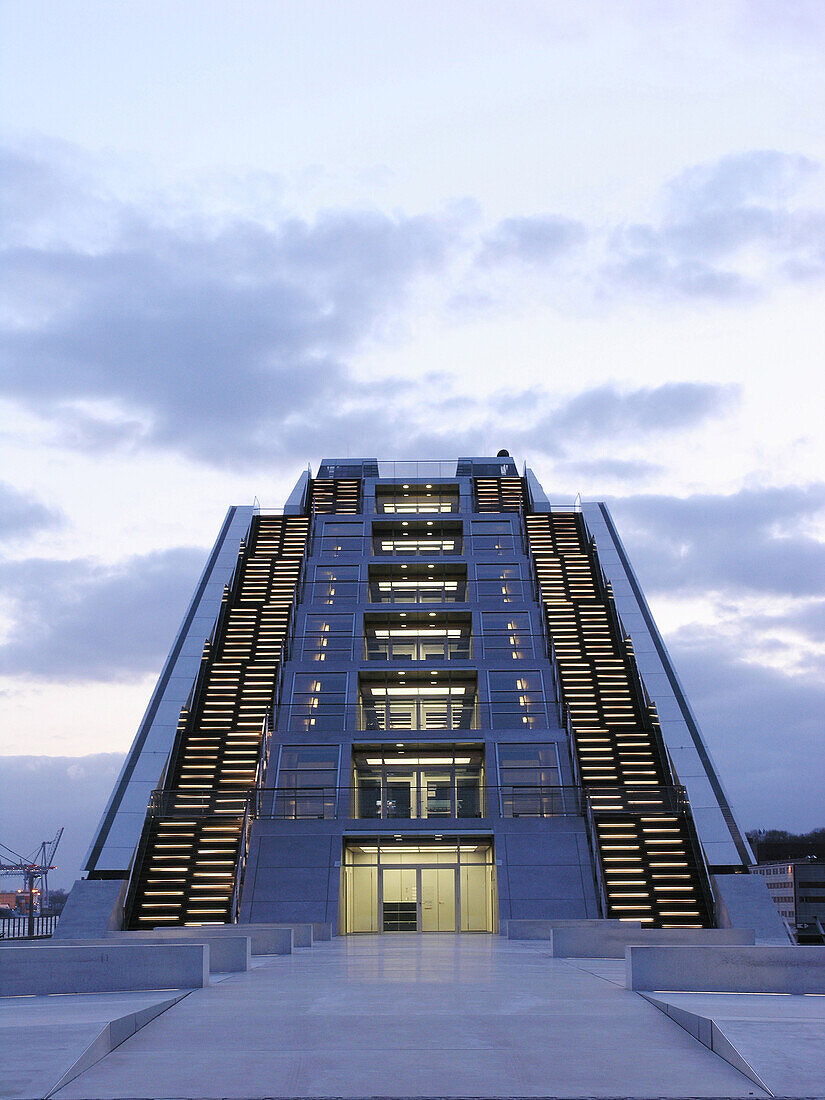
418 636
507 637
415 499
499 584
318 701
421 584
336 585
517 700
327 637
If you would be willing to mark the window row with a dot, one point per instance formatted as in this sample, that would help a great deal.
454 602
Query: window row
416 636
415 538
421 782
430 700
492 584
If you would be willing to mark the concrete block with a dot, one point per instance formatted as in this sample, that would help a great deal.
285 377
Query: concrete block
726 969
265 939
321 931
608 941
543 929
301 933
227 954
102 968
93 908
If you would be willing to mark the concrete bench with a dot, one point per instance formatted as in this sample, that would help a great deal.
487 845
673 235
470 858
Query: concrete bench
321 931
102 968
265 939
543 929
301 933
726 969
610 940
227 954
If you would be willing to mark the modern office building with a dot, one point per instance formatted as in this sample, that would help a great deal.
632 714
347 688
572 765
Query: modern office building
421 697
797 888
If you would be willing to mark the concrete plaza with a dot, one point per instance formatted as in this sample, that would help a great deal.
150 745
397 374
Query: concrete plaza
411 1016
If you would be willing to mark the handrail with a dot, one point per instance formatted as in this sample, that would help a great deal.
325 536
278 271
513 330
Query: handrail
667 798
350 646
240 869
486 591
352 547
309 716
462 799
596 849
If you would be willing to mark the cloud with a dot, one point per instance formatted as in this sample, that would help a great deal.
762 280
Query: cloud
536 240
68 792
20 515
756 719
756 540
609 413
206 338
614 469
230 337
729 230
80 620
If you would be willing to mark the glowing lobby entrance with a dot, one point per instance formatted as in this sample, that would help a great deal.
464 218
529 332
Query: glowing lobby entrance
431 886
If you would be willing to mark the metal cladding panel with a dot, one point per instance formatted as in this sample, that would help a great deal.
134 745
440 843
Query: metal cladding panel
120 827
723 841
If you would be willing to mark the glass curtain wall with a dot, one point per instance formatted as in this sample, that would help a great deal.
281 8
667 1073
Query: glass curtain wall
426 782
411 636
433 886
419 584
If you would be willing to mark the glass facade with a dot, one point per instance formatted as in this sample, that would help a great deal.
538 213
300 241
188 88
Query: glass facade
415 682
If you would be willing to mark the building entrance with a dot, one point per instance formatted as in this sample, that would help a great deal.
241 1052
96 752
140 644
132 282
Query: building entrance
419 887
418 899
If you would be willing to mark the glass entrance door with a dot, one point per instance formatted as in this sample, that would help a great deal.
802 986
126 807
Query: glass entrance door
418 899
438 898
433 886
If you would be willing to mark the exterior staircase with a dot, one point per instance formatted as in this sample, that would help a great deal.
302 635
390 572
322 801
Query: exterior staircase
648 856
188 864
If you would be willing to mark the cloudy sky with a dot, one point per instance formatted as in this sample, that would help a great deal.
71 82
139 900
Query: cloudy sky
240 237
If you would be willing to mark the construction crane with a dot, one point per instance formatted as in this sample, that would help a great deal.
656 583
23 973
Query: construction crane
33 867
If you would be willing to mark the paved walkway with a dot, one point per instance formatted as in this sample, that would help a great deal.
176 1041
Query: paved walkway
411 1016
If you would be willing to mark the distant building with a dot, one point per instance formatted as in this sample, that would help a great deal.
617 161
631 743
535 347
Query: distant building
798 890
428 700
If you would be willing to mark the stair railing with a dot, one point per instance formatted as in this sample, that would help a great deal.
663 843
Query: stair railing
595 848
243 854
